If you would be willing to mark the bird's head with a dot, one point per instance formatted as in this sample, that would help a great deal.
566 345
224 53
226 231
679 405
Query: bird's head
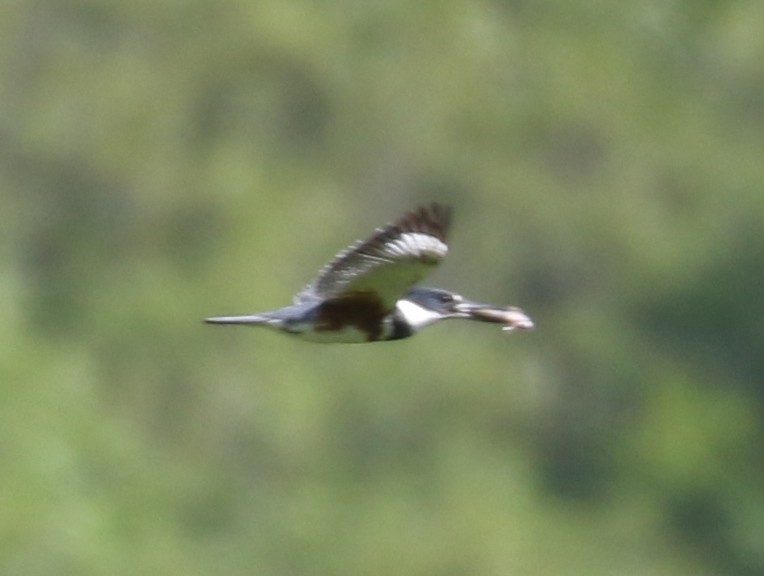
424 306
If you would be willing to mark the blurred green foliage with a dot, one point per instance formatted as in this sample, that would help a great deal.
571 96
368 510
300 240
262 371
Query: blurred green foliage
166 160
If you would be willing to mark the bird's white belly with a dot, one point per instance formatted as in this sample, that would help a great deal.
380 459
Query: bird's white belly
347 335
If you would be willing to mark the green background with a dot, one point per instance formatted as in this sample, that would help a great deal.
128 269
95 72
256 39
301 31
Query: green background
166 160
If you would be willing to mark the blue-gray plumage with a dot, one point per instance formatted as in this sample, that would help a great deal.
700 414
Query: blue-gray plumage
367 294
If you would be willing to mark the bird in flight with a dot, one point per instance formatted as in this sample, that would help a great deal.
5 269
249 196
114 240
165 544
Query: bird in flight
368 294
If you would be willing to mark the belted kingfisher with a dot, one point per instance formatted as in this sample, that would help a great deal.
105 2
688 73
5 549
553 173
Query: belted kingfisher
367 294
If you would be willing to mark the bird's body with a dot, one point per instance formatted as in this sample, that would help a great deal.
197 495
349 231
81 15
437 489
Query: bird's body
367 294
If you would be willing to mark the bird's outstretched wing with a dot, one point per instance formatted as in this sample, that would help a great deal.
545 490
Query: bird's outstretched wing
387 264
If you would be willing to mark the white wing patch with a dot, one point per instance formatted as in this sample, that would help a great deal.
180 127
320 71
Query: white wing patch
416 245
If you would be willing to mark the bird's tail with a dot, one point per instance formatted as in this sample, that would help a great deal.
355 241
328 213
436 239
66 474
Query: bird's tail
253 320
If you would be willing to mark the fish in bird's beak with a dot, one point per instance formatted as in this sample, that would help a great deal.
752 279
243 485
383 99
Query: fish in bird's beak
513 318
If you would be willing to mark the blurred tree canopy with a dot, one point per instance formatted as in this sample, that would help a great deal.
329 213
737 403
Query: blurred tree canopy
166 160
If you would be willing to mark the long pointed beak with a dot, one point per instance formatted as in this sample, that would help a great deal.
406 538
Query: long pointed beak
513 318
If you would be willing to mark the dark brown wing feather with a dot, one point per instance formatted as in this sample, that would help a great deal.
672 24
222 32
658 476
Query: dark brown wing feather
390 262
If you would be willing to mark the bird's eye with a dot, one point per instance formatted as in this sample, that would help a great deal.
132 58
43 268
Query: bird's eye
446 298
